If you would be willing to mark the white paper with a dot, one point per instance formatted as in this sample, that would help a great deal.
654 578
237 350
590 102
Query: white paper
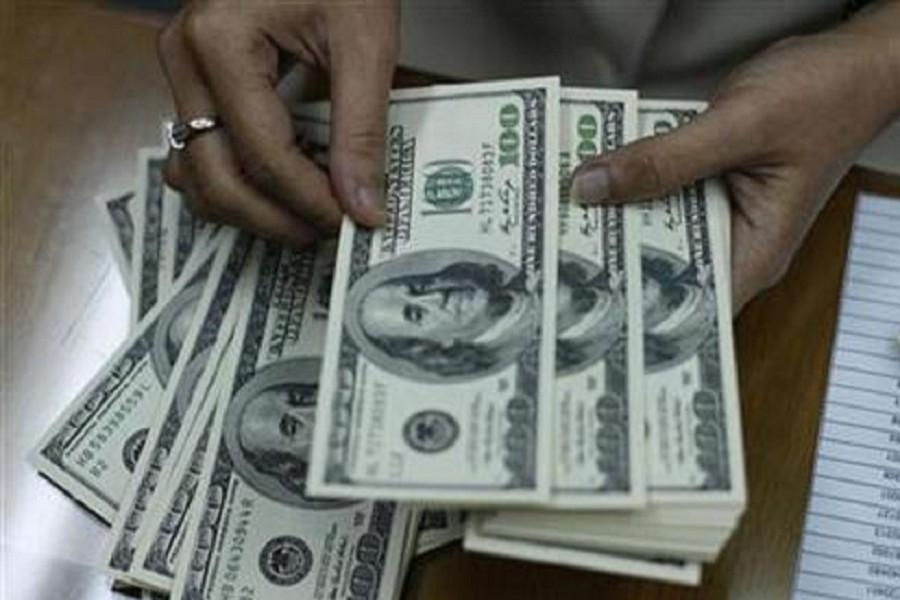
851 540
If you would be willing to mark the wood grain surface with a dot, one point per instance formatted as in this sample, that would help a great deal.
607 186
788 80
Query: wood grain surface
80 92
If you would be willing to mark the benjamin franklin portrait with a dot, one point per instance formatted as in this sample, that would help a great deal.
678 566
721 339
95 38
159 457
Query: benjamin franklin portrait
590 316
172 329
679 309
442 315
269 431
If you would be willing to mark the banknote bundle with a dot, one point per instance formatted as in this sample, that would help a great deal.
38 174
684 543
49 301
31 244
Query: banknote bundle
193 441
290 423
695 487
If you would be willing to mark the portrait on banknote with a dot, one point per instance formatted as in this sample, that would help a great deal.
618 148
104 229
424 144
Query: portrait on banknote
590 316
269 427
442 315
679 309
172 330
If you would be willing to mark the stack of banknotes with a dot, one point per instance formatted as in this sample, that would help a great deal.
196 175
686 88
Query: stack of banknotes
293 423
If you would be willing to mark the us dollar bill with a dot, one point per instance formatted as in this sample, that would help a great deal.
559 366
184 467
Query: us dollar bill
172 511
599 419
182 399
438 378
187 233
119 223
148 287
260 535
92 449
438 527
656 568
693 415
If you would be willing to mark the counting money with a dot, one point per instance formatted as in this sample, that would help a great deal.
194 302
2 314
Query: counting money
694 453
599 351
92 449
442 349
182 398
260 533
693 421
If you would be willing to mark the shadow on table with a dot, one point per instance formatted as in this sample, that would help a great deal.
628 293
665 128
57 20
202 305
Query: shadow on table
152 5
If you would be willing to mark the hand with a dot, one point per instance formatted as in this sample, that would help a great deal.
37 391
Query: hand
784 128
220 58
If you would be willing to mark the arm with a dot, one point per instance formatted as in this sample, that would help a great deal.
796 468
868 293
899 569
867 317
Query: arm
783 128
879 29
221 59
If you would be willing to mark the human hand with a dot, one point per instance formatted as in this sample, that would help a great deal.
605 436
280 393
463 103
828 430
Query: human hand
783 128
221 58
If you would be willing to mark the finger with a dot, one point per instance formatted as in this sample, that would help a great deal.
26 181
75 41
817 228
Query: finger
174 172
207 166
716 141
262 217
362 68
764 236
747 273
240 65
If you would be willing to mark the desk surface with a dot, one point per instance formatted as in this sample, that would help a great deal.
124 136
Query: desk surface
82 91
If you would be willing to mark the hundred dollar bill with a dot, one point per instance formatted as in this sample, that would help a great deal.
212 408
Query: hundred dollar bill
147 285
438 378
91 450
660 569
610 531
260 535
171 512
695 453
693 439
183 396
599 420
186 233
409 551
438 527
117 213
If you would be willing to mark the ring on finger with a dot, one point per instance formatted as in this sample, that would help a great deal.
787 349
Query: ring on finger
181 133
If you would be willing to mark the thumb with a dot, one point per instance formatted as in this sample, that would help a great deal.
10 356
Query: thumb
717 140
361 83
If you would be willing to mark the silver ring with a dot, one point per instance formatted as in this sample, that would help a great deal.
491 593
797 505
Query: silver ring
180 133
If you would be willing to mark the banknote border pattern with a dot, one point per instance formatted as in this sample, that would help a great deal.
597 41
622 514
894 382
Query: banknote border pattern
187 488
125 367
214 508
225 289
152 222
711 420
613 216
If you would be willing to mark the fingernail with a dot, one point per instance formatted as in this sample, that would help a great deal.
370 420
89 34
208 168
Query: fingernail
591 185
369 204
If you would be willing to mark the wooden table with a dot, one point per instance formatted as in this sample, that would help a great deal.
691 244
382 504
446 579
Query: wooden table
81 91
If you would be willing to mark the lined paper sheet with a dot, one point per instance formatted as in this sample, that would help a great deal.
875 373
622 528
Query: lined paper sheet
850 548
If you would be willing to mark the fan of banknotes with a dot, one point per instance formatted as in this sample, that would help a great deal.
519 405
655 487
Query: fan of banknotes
287 423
